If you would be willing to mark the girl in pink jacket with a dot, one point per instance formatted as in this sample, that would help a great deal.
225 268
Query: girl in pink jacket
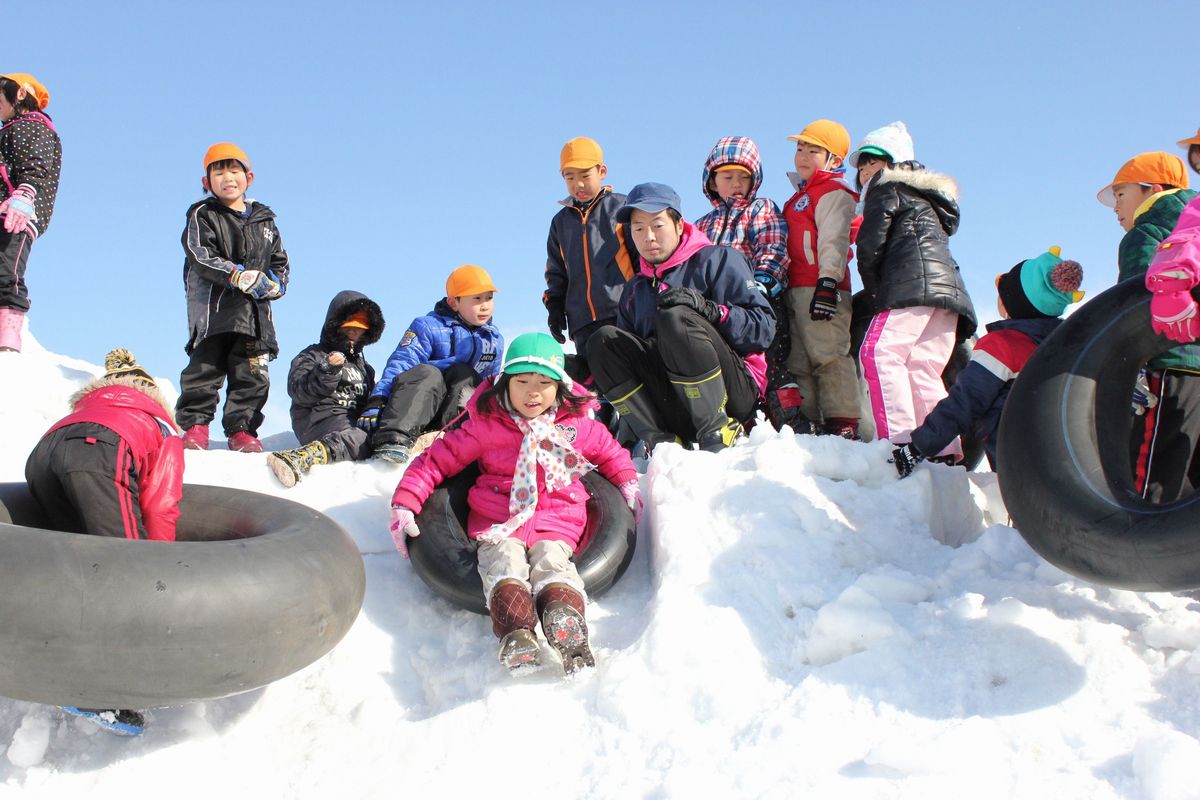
1175 269
533 440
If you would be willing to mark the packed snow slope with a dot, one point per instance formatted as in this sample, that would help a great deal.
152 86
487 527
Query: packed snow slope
794 624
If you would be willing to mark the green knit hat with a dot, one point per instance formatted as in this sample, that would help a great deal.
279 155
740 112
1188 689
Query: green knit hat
535 352
1040 287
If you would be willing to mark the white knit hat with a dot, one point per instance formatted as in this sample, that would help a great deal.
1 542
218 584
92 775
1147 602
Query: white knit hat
893 139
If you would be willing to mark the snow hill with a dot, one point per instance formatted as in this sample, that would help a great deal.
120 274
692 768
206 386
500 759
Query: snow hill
794 624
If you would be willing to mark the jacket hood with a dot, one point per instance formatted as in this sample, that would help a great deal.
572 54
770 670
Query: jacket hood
343 304
693 241
117 385
740 150
940 190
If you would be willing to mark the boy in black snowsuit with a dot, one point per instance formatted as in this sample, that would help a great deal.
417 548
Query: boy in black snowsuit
329 382
234 267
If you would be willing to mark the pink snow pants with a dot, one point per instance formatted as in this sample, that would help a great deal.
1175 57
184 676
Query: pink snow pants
902 357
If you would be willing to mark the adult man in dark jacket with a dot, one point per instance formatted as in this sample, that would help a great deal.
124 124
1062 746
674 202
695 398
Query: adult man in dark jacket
685 359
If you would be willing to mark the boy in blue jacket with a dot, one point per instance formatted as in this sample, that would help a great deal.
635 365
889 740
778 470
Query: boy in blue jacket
1031 298
434 370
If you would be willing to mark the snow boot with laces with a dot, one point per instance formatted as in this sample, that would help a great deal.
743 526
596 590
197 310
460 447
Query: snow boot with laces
561 610
289 466
513 621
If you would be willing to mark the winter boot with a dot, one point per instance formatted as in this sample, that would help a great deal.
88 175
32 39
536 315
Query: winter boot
245 442
118 720
561 610
513 621
704 398
634 405
395 452
10 329
841 426
290 465
196 437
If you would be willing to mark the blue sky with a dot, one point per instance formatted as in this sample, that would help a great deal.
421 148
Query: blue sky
397 142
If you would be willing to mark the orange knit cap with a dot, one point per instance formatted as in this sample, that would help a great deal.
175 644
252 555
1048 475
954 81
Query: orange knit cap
1157 167
31 85
358 319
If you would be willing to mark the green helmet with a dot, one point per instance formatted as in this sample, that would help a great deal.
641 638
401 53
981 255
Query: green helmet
535 352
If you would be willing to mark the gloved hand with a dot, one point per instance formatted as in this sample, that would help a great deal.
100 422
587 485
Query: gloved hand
255 283
278 290
403 524
1142 401
557 322
17 209
824 301
1172 310
691 298
368 418
906 458
632 492
767 284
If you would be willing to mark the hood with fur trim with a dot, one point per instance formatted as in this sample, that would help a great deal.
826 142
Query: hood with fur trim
150 390
941 191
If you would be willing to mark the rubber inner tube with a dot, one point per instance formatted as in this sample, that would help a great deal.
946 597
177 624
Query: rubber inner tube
1064 457
445 559
254 588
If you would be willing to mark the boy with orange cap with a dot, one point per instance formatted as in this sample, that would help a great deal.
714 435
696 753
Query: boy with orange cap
441 359
234 267
30 162
589 255
818 219
1148 194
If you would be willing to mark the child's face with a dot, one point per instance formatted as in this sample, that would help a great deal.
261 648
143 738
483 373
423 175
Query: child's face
7 109
228 181
475 309
584 184
531 393
732 183
811 158
656 236
1194 157
868 167
353 334
1128 197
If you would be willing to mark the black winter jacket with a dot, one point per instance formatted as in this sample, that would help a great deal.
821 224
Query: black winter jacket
320 391
31 155
215 241
903 246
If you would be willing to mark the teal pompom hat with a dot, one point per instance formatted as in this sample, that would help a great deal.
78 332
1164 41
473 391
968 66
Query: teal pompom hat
535 352
1040 287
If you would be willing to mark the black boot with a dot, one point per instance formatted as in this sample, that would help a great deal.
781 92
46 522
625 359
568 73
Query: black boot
704 398
637 409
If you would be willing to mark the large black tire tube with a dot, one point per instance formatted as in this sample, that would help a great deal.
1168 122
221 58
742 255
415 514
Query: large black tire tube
445 559
1063 453
254 589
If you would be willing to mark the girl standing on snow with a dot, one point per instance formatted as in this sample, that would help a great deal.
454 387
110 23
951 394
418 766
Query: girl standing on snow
533 440
920 304
30 161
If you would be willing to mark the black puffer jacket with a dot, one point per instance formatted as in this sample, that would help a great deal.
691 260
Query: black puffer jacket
215 242
320 391
903 247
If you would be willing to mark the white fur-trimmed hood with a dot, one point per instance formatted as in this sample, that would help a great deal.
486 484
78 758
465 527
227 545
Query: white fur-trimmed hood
921 179
153 392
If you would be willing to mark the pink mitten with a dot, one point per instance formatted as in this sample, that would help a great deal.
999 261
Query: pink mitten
403 523
17 209
632 492
1172 310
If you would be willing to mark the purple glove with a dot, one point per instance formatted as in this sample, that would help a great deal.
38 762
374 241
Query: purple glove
403 524
17 209
1173 312
632 492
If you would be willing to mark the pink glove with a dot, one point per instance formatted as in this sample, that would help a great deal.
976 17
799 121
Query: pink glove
632 492
1173 312
404 523
17 209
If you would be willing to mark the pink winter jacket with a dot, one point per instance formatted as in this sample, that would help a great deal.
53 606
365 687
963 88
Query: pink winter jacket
1181 250
493 440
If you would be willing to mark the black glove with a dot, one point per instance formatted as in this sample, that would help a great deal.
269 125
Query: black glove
824 301
368 416
906 458
557 322
683 296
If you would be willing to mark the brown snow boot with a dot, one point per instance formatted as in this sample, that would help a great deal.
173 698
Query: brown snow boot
561 610
513 621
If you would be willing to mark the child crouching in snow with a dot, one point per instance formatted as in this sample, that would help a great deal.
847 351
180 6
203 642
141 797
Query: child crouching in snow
534 440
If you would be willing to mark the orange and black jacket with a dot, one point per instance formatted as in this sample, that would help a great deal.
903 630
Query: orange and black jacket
589 257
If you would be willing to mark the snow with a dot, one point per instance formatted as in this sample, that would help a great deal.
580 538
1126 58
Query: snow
796 623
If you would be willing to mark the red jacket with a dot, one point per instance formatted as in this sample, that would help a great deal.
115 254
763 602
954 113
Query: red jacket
143 425
818 219
493 440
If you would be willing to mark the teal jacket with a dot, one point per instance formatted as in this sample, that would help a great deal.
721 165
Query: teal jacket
1153 222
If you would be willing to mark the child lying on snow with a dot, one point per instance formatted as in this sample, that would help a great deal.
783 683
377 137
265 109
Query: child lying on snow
533 440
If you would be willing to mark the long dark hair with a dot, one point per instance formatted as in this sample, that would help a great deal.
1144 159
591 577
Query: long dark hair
495 399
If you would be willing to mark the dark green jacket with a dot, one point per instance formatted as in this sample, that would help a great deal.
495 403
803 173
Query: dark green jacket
1137 248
